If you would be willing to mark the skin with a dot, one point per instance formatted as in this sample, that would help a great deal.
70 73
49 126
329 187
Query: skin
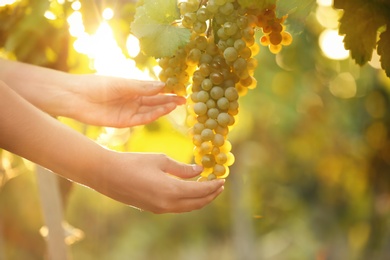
29 98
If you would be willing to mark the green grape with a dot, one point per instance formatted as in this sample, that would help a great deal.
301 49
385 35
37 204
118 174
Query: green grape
194 56
239 44
200 108
208 161
216 67
223 119
226 9
219 170
213 113
207 84
223 103
206 147
207 134
221 158
231 94
230 54
211 103
230 28
211 124
198 128
202 14
216 92
199 27
201 43
205 69
202 96
216 78
218 140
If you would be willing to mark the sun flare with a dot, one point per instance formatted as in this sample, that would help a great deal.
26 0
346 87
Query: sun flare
103 50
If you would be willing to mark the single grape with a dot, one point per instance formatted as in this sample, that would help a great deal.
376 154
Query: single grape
200 108
230 54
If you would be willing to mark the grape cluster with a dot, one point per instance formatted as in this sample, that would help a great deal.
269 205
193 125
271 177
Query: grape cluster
175 72
220 60
275 35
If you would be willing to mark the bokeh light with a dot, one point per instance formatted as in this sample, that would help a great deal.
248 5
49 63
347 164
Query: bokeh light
107 14
343 86
332 45
325 2
7 2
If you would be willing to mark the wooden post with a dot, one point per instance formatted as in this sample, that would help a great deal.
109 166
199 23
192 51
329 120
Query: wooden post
52 209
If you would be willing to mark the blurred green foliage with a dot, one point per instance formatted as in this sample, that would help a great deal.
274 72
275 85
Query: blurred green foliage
312 172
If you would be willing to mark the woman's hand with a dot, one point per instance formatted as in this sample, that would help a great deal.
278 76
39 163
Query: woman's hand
156 183
91 99
119 102
147 181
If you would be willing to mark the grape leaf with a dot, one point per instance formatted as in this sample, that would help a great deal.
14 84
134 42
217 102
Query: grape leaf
165 43
384 50
152 25
359 23
298 11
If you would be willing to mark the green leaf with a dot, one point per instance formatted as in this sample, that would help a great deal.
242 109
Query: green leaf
360 23
384 50
152 25
165 42
298 12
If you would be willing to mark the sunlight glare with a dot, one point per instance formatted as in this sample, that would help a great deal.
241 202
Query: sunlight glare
101 47
132 46
332 45
76 5
325 2
107 14
50 15
7 2
76 26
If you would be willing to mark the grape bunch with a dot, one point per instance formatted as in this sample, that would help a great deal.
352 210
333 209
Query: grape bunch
215 68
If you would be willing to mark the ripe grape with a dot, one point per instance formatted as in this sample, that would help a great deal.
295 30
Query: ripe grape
215 68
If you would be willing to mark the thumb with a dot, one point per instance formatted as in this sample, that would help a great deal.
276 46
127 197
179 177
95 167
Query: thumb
182 170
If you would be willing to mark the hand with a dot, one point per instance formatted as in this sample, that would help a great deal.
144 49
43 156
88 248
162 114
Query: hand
154 182
119 102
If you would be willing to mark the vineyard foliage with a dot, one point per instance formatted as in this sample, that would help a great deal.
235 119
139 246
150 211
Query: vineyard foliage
312 140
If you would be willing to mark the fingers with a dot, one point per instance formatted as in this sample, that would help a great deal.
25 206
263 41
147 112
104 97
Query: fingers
190 204
162 99
187 205
149 114
181 170
185 196
149 91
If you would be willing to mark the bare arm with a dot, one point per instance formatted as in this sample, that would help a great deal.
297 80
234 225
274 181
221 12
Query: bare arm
91 99
140 180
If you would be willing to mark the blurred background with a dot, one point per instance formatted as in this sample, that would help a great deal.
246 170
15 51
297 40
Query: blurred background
312 173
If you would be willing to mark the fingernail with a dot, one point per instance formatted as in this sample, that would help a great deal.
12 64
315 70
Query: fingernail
158 84
222 181
197 168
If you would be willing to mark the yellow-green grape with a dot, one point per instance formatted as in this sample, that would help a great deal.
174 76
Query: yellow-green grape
219 64
175 72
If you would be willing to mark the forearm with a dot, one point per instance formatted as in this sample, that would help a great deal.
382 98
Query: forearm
34 135
44 88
